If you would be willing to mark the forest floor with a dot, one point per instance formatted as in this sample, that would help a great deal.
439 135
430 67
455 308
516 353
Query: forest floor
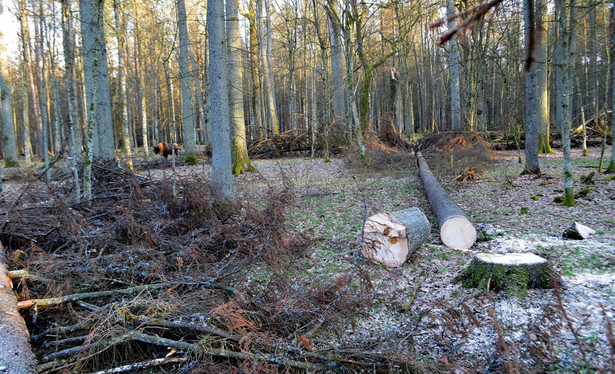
309 296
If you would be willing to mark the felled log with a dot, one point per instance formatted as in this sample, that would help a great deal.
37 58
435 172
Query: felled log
456 230
512 272
578 232
389 238
16 355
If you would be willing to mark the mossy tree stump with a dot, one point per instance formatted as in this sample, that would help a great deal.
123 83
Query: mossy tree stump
511 272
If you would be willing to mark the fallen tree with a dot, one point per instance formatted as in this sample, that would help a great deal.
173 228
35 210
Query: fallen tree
16 355
456 231
389 238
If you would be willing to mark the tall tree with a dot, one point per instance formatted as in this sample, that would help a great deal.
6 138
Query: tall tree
241 161
532 103
611 167
69 89
94 53
42 86
122 80
265 43
8 127
565 51
184 66
337 63
541 64
221 173
454 67
255 69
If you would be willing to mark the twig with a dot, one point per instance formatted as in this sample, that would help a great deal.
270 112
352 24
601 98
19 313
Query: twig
152 339
610 337
498 329
413 295
471 315
57 330
560 304
144 364
86 295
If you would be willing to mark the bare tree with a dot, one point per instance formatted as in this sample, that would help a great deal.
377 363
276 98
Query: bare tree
565 50
184 66
8 127
122 78
453 67
532 103
241 161
221 173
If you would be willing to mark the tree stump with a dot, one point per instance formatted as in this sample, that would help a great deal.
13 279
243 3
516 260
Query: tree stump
456 230
511 272
389 238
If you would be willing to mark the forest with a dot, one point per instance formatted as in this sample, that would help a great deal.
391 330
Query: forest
335 186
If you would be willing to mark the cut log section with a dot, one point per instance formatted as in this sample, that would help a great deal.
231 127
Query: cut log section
578 232
512 272
456 230
389 238
16 355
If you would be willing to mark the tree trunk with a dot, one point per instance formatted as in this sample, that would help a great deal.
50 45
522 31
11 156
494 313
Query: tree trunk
511 272
389 239
16 355
565 62
184 66
611 167
337 64
221 174
140 84
95 68
456 231
542 84
122 85
73 121
456 120
8 127
241 161
254 68
42 86
532 105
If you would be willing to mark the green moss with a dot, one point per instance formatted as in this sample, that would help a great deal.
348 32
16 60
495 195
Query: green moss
512 280
8 163
524 211
191 159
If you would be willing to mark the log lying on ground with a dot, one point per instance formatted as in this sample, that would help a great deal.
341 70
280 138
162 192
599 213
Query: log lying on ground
389 238
16 355
512 272
578 232
456 231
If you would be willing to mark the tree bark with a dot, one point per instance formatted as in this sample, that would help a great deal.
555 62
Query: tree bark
456 231
532 105
221 174
241 161
456 120
611 167
542 84
72 118
122 85
16 355
565 63
337 64
8 126
95 68
42 86
184 66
